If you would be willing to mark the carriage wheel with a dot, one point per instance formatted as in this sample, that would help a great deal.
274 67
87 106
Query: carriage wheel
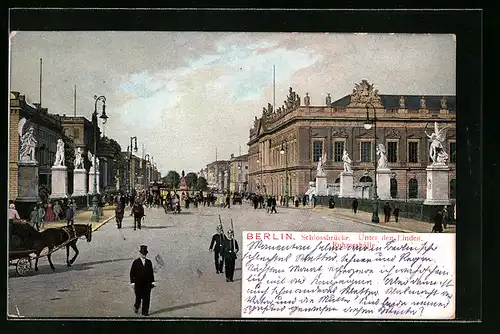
23 266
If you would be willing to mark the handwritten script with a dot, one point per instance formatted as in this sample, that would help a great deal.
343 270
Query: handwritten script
348 275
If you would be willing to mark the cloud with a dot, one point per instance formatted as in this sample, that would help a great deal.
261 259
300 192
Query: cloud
184 94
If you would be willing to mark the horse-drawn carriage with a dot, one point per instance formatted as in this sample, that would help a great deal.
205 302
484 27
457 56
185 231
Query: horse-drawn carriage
26 244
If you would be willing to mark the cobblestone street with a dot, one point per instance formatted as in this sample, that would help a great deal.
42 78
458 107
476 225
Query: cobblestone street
97 285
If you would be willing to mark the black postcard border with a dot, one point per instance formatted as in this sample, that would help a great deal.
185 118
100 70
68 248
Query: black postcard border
467 25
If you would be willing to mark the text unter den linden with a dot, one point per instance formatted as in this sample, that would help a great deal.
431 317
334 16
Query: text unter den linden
348 275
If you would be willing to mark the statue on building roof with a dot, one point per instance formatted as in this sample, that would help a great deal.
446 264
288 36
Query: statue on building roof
443 103
297 100
28 143
364 93
328 100
307 99
402 102
422 102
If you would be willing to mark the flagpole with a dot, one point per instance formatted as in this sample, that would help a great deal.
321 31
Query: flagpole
74 103
40 83
274 87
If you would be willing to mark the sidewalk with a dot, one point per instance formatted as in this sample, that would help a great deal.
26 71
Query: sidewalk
83 217
403 225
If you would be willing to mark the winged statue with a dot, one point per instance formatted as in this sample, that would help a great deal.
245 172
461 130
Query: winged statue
437 152
28 142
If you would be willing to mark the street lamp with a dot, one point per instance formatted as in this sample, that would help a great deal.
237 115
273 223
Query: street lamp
129 149
284 150
148 178
261 179
368 125
104 118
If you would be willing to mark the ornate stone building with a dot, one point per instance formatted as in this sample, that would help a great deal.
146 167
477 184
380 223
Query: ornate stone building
305 131
239 173
218 175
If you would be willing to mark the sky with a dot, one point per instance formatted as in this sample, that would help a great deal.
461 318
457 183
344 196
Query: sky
187 94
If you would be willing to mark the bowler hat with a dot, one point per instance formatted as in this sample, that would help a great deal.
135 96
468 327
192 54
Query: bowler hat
143 250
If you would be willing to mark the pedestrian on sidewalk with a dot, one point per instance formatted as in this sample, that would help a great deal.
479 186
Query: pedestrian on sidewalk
296 200
142 280
387 212
228 200
438 222
281 200
396 213
58 211
304 200
314 201
445 217
355 205
273 204
34 218
331 203
41 216
70 216
230 250
49 215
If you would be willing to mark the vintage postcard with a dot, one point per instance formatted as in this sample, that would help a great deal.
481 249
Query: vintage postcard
230 175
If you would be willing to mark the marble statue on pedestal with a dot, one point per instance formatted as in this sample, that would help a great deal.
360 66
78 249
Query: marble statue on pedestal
78 159
59 161
28 143
436 151
321 165
347 162
382 161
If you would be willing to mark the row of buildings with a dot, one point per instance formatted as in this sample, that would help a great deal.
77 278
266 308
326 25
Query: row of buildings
291 140
227 175
137 172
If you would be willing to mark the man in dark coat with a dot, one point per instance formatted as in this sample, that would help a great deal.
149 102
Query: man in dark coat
138 212
230 249
355 205
438 222
387 212
217 243
142 280
395 212
273 204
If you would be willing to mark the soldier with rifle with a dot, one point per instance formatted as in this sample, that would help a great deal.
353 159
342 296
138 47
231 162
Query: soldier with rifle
230 249
218 240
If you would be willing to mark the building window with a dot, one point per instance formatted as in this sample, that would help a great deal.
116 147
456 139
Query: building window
317 150
413 151
246 167
453 152
338 151
366 151
337 180
453 188
365 179
392 151
413 188
394 188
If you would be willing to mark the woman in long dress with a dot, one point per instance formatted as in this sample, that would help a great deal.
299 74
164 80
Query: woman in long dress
49 214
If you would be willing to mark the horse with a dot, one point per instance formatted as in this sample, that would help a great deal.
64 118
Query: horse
55 237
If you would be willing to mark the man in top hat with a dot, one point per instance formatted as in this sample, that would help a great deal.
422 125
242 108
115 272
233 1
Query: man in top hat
216 245
142 280
230 249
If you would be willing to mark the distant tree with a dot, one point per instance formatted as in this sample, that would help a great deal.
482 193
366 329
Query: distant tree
172 179
69 152
202 184
191 180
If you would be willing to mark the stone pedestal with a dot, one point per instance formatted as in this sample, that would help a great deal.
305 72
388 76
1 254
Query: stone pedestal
79 182
346 185
28 182
384 183
91 182
438 185
321 186
59 182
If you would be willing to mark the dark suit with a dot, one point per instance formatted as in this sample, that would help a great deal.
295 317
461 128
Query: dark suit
143 277
230 249
217 244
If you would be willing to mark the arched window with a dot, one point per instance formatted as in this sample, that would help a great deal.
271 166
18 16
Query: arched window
366 179
394 188
453 188
337 180
413 188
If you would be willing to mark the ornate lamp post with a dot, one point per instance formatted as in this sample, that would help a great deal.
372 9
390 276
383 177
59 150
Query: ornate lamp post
368 125
261 179
284 150
104 117
148 179
129 149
